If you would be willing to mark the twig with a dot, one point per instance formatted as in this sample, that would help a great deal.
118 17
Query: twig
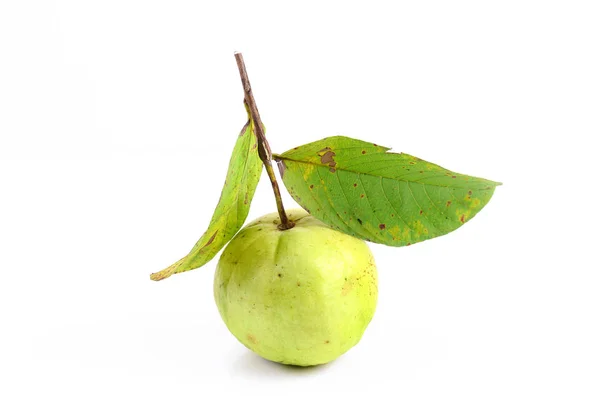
264 150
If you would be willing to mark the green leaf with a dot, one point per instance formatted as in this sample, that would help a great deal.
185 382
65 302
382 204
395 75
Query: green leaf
243 174
366 191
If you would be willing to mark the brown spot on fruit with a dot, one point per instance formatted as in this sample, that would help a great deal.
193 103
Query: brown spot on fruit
382 226
252 338
346 288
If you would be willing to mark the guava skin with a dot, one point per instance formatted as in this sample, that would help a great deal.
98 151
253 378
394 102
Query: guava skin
302 296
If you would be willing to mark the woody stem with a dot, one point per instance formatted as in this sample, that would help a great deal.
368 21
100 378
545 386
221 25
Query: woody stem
264 150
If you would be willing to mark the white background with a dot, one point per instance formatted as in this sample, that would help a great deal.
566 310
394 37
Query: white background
117 119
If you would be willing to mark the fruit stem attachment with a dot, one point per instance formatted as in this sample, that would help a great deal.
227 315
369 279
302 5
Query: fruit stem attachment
264 150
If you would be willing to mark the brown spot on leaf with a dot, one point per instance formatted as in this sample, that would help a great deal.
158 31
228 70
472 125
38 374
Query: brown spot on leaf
244 128
295 148
212 238
327 158
355 185
448 203
470 193
462 218
454 176
298 284
246 198
331 169
312 186
420 212
254 146
364 152
327 342
374 145
382 226
359 221
421 172
279 275
362 195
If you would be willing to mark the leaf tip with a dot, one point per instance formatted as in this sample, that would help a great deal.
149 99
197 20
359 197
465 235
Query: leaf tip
167 272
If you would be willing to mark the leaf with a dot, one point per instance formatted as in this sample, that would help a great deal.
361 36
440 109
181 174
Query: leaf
243 174
366 191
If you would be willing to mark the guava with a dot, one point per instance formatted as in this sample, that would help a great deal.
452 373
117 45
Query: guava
301 296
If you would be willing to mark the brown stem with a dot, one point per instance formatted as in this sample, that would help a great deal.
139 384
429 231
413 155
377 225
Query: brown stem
264 150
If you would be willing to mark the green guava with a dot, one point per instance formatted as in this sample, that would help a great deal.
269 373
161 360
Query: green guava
302 296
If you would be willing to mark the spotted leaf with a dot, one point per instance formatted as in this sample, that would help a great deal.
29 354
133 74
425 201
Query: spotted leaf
243 174
367 191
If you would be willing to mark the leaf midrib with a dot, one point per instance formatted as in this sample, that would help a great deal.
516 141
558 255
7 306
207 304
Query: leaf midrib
279 157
